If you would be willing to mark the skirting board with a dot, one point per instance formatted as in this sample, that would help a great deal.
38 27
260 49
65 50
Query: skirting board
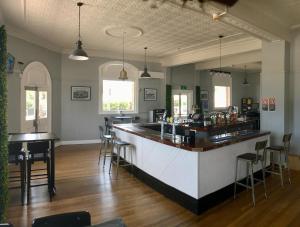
75 142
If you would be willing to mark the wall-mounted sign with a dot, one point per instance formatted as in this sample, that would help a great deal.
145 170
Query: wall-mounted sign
272 105
265 104
183 87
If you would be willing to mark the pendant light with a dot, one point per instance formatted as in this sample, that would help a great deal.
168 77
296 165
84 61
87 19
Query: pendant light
123 73
79 54
145 74
245 83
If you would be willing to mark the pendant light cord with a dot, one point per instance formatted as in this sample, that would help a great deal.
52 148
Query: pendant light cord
220 53
145 57
79 4
123 48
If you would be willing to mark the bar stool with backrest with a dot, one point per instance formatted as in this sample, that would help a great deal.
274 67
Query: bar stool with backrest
105 140
118 144
282 161
107 125
38 152
252 159
16 156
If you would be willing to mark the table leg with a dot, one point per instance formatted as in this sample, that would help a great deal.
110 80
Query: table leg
52 168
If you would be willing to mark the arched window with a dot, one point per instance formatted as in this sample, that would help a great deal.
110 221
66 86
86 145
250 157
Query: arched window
116 96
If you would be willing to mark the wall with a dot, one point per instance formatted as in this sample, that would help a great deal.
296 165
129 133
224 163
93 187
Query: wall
28 52
80 119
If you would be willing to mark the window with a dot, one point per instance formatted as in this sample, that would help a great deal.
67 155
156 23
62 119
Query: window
30 105
42 104
182 102
222 96
118 96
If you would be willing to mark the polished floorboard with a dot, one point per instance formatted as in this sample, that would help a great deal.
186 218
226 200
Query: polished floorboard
82 185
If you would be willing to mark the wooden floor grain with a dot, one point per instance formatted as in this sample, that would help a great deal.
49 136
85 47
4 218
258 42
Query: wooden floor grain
82 185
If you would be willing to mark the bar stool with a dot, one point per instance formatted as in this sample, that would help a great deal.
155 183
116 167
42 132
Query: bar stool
252 159
105 139
120 144
280 150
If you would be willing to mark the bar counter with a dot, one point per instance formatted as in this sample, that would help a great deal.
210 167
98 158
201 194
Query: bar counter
200 145
197 175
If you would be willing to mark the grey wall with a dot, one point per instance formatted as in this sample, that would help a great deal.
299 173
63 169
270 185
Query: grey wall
80 119
27 53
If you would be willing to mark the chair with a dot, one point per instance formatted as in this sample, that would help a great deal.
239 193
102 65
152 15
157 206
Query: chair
105 140
38 152
252 159
107 125
118 144
280 150
6 225
16 156
73 219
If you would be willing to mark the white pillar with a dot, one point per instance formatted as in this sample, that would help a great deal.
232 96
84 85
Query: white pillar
274 81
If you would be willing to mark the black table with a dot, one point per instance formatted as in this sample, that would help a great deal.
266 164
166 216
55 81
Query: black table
38 137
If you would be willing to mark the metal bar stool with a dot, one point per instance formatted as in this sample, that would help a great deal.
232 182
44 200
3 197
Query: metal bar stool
105 140
252 159
280 151
118 144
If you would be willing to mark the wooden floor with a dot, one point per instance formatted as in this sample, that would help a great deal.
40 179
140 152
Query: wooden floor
82 185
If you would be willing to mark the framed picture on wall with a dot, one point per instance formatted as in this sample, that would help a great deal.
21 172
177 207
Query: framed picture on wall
150 94
10 63
204 95
80 93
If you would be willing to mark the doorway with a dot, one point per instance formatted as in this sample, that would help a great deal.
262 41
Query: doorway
36 99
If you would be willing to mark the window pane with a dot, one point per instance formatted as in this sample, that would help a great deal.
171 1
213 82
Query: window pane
176 106
222 96
30 105
118 95
42 104
184 105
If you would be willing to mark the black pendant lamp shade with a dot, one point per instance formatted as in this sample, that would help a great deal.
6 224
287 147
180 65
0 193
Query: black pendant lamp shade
79 54
145 74
245 83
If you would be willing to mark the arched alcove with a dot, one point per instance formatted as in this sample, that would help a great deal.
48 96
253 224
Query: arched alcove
36 85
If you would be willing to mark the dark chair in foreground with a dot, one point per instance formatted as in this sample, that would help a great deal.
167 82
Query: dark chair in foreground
38 152
73 219
282 162
17 170
252 159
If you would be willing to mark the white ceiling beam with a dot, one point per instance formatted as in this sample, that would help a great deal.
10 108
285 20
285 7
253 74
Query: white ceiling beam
229 61
211 52
251 18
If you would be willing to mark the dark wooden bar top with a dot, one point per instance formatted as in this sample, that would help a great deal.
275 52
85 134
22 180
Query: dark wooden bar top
200 145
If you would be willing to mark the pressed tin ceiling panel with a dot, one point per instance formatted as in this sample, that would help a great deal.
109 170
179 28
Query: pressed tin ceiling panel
164 30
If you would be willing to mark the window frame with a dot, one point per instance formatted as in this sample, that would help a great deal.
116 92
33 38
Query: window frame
229 96
136 98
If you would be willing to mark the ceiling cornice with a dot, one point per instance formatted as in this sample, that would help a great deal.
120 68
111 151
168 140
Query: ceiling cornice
237 59
21 34
116 55
211 52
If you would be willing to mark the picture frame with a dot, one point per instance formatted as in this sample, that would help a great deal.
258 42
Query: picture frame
10 63
150 94
205 106
80 93
204 95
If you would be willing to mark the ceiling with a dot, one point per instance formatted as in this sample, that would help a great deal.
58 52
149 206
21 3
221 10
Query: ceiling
165 29
168 30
